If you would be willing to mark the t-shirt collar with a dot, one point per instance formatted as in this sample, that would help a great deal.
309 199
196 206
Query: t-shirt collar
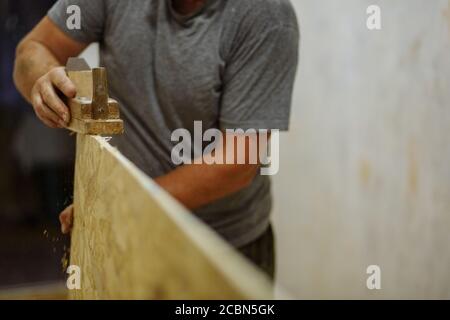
185 18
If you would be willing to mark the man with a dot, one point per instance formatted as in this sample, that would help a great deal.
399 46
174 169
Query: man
228 63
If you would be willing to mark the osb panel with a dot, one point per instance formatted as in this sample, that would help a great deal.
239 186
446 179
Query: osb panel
133 241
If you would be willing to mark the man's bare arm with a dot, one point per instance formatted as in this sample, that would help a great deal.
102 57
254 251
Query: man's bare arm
38 71
196 185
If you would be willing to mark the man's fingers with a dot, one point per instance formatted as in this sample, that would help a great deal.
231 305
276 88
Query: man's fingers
65 218
46 99
46 115
49 123
51 99
63 83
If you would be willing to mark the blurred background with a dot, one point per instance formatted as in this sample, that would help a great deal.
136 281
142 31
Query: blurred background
365 170
36 167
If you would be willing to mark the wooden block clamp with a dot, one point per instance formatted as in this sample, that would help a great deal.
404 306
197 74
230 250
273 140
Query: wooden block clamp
92 111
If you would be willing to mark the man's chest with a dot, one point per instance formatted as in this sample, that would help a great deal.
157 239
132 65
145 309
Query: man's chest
179 67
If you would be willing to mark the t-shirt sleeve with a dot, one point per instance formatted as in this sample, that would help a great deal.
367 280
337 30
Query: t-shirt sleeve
92 18
258 81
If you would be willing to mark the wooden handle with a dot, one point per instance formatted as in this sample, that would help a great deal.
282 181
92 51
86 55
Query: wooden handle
99 94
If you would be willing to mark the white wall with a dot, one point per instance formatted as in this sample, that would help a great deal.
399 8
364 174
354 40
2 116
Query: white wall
91 55
365 170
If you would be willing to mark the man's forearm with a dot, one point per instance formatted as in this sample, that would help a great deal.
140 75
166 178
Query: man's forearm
33 60
196 185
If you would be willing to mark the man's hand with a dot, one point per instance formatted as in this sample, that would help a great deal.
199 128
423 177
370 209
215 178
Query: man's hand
38 74
66 218
47 104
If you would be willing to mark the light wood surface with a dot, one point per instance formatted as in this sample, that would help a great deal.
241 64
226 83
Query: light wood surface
133 241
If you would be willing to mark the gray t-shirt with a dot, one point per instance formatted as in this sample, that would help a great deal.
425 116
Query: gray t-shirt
231 65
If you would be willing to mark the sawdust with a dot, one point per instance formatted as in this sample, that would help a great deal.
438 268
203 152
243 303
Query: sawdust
65 258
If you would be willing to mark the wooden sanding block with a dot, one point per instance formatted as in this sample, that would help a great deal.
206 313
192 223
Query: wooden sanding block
92 111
